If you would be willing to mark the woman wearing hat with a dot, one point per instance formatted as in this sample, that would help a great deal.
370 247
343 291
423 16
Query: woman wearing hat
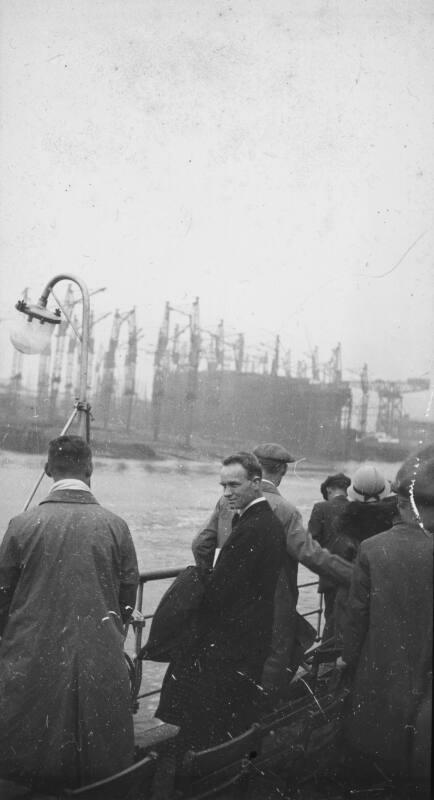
371 511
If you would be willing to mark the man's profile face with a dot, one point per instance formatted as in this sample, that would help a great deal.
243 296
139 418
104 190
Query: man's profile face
238 489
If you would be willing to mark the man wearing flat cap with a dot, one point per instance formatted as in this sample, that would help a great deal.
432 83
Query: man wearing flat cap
388 637
323 519
288 628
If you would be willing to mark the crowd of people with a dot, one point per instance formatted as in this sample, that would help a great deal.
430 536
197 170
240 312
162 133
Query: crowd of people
68 580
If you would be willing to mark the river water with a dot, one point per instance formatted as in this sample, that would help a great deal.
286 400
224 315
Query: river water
164 503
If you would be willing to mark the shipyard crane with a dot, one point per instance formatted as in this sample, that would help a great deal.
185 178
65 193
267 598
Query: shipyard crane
131 365
175 355
191 359
314 364
390 403
287 363
92 323
180 354
364 385
238 348
108 378
335 364
193 369
301 369
275 361
260 358
216 357
160 369
390 400
220 346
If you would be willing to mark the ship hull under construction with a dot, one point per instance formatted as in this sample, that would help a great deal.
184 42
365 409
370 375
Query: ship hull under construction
230 409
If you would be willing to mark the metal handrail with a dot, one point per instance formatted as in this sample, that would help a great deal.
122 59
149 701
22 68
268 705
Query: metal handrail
162 574
140 621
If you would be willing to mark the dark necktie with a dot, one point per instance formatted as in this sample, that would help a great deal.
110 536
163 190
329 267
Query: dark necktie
235 520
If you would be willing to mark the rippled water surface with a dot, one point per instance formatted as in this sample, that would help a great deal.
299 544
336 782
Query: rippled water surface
164 503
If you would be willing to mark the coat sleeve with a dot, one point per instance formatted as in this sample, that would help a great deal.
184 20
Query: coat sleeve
316 524
129 578
358 610
9 573
345 534
205 542
301 546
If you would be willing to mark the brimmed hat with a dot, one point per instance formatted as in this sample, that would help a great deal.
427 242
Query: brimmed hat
416 476
368 484
273 452
339 480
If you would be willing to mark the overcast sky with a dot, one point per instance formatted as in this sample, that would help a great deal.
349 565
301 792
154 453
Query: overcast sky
273 158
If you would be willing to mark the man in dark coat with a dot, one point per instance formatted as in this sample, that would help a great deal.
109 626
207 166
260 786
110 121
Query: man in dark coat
300 547
214 692
68 579
388 637
321 525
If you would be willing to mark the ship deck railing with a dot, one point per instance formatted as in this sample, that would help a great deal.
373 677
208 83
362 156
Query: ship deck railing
140 621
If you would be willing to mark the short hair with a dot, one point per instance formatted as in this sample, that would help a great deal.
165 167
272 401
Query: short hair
246 460
69 454
272 466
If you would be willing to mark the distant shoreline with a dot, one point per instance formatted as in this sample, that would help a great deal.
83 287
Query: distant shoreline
116 444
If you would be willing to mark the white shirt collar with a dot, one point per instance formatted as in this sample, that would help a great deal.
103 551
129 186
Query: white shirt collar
70 483
256 500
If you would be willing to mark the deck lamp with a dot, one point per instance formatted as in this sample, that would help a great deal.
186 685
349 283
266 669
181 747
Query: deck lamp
32 331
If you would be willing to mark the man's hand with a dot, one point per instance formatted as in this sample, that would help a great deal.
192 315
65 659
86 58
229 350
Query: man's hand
340 663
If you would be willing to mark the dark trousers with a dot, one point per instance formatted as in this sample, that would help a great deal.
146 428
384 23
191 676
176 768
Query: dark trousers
329 611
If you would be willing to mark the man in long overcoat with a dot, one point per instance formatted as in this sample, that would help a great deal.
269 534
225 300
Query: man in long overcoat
300 547
388 637
68 578
214 693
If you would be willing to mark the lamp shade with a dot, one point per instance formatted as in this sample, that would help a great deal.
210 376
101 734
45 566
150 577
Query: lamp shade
31 336
32 330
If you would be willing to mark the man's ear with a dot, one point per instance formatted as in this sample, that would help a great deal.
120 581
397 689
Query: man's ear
47 470
89 469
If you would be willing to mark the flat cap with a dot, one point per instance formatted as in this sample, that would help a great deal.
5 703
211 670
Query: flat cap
273 452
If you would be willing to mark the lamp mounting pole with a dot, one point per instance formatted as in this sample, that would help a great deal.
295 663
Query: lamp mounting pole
82 406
